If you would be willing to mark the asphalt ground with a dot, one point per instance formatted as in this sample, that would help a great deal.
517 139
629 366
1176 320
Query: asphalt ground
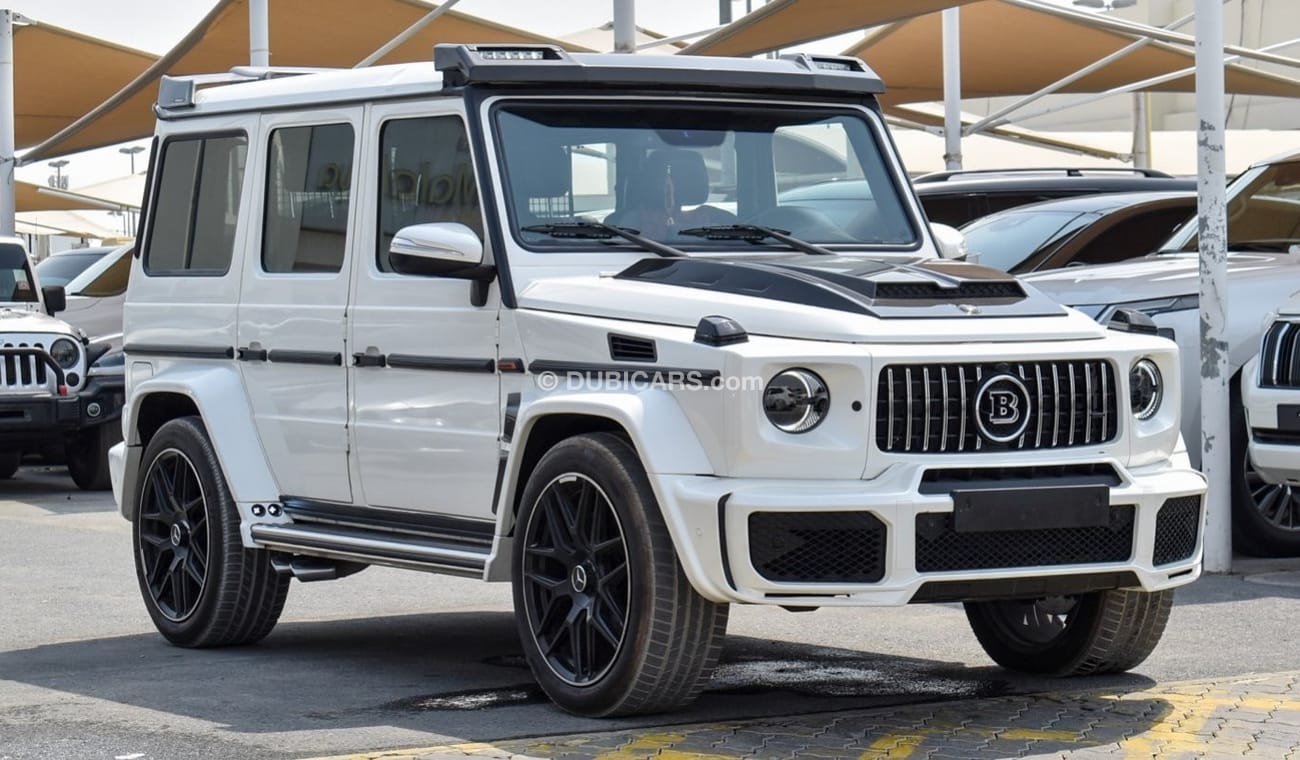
399 664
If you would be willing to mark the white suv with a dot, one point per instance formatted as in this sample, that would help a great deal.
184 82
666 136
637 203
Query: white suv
568 337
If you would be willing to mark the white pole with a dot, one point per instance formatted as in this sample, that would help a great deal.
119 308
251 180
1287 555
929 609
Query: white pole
259 33
1211 208
952 89
1141 130
406 34
624 26
7 160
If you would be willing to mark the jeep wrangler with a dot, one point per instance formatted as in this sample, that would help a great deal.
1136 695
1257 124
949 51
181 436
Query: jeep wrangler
570 337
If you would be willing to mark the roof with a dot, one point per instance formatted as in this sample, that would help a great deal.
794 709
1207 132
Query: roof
1105 203
998 37
1038 180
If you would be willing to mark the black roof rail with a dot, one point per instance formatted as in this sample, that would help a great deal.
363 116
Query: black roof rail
1069 171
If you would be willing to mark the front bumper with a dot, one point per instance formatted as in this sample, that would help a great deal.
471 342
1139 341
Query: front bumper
727 559
36 419
1274 440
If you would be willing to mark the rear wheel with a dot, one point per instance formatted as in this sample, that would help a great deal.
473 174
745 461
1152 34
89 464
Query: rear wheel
87 455
201 586
1100 632
609 623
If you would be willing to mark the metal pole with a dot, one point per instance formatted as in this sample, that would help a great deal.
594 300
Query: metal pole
724 12
7 206
1212 240
1141 130
259 33
952 89
624 26
407 34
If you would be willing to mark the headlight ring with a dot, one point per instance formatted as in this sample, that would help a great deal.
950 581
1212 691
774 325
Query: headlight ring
796 400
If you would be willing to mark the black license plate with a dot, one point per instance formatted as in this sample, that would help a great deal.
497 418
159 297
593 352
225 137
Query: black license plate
1001 509
1288 417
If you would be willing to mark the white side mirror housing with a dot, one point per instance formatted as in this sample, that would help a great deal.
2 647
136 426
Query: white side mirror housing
436 248
952 244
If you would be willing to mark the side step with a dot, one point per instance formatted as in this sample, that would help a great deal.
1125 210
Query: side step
374 547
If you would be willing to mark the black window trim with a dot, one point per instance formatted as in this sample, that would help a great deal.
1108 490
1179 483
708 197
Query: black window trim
157 162
344 265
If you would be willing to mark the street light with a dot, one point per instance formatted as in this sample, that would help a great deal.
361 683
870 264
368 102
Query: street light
57 180
130 153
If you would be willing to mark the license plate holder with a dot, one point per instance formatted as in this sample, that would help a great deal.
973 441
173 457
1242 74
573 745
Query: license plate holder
1005 509
1288 417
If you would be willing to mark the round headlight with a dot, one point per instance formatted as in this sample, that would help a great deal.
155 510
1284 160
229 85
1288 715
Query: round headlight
65 353
1145 389
796 400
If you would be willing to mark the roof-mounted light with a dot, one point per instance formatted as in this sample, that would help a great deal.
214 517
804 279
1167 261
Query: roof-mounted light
842 63
512 54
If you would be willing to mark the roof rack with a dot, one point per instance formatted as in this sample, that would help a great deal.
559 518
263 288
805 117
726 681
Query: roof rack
178 92
1069 171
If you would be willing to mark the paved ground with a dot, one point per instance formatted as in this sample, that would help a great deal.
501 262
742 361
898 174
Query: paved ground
386 660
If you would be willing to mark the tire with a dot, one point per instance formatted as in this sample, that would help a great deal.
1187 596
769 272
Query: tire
589 520
87 455
1265 516
1099 632
222 594
9 462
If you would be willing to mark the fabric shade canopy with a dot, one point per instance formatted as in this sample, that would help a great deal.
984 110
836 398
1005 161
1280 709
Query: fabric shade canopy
782 23
1009 49
28 197
324 33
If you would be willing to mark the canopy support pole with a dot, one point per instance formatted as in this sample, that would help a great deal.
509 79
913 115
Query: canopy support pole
406 34
952 89
1141 130
7 159
624 26
1212 240
259 33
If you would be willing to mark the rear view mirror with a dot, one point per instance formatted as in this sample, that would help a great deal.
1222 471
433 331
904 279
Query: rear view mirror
951 242
447 249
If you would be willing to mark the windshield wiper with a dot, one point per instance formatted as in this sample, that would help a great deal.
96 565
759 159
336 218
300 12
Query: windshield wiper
754 233
589 230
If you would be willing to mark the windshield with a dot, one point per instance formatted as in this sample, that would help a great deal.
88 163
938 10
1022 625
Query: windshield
15 275
1263 212
1005 240
60 268
106 277
664 169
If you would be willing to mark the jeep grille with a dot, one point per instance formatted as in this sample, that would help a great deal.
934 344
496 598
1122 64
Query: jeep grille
23 372
930 408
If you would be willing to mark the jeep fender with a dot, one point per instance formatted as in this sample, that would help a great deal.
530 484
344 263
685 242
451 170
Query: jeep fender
218 393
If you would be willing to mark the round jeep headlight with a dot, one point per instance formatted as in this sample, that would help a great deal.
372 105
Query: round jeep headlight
65 353
796 400
1146 388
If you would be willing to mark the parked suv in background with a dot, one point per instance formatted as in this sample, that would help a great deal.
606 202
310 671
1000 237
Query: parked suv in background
59 393
478 317
955 198
1270 391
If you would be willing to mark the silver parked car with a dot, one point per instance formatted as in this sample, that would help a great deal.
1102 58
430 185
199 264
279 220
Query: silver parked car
1263 271
96 295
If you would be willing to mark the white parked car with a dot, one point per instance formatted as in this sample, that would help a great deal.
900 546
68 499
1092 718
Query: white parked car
1270 384
1263 271
95 297
638 421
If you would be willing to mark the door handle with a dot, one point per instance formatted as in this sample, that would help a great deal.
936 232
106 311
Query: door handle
250 354
369 360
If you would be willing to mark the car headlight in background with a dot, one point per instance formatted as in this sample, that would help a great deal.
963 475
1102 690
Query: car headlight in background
796 400
65 353
1145 389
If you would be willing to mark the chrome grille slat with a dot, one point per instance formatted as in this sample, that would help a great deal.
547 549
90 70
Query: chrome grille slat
937 417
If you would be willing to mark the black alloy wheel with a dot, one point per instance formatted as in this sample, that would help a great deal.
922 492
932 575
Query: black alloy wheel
173 534
575 580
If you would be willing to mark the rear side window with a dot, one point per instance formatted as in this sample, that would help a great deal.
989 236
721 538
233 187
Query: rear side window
308 178
196 206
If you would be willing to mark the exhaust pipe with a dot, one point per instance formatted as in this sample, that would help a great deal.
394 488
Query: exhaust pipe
309 569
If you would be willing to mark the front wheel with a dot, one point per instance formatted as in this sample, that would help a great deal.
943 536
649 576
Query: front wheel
87 455
608 621
1100 632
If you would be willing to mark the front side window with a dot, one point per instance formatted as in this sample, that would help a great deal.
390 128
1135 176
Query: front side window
426 174
106 277
308 184
669 171
196 206
1263 212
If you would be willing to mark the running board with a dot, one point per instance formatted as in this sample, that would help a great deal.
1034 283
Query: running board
372 547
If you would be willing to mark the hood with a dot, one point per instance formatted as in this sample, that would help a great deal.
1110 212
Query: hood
19 320
847 299
1156 276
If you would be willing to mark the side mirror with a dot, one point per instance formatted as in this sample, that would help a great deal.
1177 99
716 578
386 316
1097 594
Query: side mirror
952 244
55 299
448 249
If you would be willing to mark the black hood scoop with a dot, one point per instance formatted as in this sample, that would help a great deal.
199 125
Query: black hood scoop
917 289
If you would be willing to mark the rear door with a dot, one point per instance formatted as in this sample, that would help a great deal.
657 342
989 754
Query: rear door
292 315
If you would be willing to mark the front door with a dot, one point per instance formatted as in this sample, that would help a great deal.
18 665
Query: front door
292 315
425 418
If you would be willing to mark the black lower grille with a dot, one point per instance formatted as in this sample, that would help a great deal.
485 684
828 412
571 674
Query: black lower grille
817 547
1177 525
940 548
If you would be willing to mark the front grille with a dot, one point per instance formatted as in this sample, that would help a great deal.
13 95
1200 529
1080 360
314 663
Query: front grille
930 408
1177 524
23 372
1279 361
817 547
941 548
